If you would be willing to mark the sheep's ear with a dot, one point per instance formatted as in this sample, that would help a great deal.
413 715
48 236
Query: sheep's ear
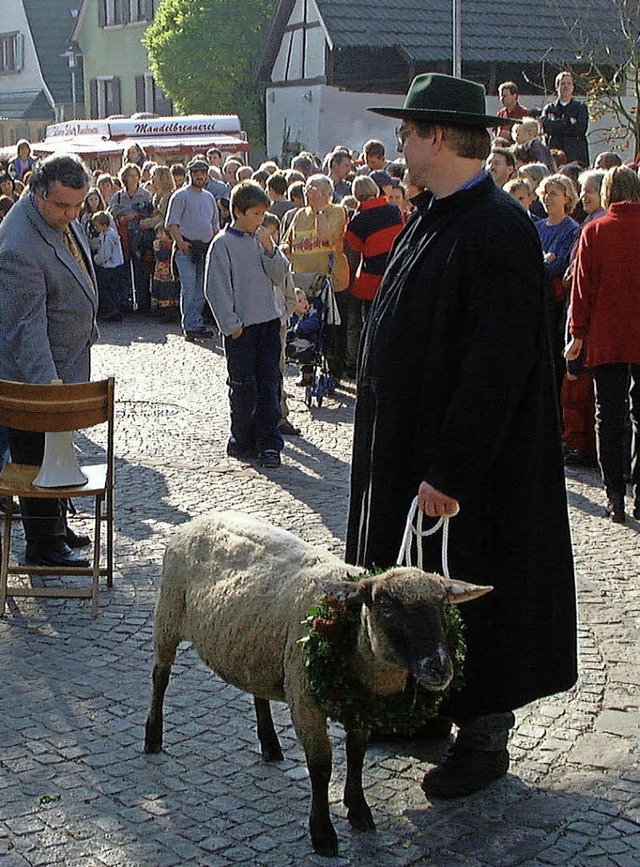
351 592
461 591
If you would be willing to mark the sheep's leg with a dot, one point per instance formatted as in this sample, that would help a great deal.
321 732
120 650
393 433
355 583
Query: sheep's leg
311 728
269 743
323 835
358 811
165 656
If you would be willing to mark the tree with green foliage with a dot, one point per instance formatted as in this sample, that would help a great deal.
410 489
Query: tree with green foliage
203 53
611 56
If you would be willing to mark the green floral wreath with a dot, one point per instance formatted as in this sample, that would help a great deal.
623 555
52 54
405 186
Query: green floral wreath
330 645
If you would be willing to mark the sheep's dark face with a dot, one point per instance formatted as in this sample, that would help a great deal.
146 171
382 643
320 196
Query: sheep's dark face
402 618
410 635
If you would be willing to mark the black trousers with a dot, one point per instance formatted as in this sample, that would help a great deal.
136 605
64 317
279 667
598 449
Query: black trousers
617 397
43 519
335 336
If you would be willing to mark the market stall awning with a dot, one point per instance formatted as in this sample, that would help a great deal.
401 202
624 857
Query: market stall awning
83 145
191 143
97 146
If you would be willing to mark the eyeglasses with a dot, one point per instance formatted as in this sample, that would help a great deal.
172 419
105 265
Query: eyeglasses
402 133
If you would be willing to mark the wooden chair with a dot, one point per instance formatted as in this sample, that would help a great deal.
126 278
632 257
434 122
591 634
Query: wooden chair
59 407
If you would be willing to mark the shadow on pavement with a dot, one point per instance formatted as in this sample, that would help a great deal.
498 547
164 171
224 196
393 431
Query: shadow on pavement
509 823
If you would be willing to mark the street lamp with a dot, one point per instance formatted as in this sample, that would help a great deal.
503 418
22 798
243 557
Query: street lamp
457 38
71 56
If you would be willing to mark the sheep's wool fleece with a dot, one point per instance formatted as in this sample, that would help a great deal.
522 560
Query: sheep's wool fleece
250 585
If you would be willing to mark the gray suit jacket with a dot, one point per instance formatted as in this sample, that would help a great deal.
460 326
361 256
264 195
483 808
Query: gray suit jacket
48 304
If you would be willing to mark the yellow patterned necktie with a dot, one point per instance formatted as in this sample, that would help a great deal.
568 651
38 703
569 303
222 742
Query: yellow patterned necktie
71 245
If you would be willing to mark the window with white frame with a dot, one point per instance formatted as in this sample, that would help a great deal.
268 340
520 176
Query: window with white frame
108 95
11 49
140 10
113 13
149 97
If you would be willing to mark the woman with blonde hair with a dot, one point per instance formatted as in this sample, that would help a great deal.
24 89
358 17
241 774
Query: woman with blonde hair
558 234
129 206
314 243
162 188
604 325
535 174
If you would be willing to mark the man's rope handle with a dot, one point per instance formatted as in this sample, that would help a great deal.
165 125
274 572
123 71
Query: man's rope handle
404 555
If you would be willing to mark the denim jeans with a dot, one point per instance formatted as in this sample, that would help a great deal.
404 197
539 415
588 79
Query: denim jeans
255 381
191 290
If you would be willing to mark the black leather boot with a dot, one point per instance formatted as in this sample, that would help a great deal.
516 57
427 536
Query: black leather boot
464 772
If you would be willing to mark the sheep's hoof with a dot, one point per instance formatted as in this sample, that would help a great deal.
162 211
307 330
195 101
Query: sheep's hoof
327 848
152 749
361 819
323 837
272 754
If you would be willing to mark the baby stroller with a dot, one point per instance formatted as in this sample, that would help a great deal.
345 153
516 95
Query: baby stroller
309 353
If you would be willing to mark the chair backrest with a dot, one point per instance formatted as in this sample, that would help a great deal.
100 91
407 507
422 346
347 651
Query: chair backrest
56 407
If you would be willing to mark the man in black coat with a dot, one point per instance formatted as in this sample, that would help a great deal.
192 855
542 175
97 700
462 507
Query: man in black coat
565 122
456 404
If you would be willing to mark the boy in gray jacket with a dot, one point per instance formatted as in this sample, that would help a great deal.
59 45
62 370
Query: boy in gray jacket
243 264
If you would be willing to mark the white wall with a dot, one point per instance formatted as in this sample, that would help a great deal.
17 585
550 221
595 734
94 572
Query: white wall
596 134
320 117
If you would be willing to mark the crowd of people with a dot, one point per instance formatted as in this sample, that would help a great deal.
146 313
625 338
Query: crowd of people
338 215
149 229
546 168
478 286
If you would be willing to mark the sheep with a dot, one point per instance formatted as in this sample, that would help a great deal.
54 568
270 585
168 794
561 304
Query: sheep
239 588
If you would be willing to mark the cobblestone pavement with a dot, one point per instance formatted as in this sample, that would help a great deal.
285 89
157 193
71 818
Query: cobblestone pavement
76 788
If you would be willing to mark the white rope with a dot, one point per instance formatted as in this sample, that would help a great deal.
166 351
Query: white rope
404 555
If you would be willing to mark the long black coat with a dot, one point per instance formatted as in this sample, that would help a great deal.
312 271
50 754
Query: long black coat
456 388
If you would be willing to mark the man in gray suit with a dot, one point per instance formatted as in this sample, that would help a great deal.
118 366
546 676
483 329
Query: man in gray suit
48 304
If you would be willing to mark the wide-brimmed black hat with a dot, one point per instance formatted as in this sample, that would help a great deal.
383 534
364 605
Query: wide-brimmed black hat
437 98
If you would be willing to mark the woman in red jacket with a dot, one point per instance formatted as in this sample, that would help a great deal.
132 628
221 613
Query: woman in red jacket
605 316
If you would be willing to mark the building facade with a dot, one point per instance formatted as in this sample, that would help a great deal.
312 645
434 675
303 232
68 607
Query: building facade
37 80
326 61
117 79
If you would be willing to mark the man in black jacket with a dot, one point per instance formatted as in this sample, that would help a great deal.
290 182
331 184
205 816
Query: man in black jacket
456 404
565 122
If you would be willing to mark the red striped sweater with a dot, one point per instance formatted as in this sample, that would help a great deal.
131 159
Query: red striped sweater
371 233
